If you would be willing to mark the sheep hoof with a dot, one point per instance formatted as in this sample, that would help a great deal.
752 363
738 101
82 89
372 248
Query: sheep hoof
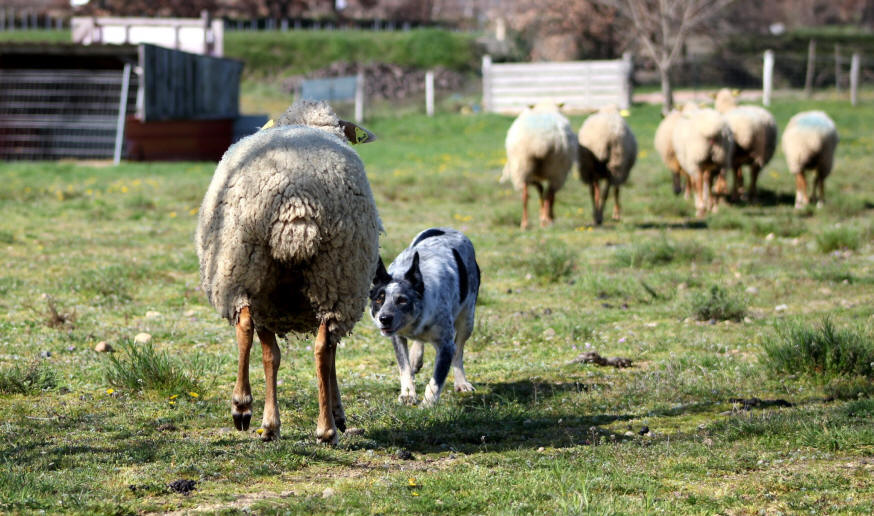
268 434
464 387
407 399
241 421
341 423
327 436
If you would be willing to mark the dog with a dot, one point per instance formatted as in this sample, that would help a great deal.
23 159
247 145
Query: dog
428 294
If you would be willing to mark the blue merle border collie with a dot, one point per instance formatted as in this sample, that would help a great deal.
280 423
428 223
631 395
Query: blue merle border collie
428 294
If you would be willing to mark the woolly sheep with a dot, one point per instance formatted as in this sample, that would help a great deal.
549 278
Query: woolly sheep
809 142
664 145
703 144
288 242
541 148
607 152
755 138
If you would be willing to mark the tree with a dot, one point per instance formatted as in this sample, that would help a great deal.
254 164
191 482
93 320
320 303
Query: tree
662 26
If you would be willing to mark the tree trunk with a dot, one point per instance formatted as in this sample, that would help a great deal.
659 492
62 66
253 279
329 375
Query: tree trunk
667 90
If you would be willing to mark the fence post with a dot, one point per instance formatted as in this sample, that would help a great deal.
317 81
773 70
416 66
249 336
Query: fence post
487 83
429 92
122 113
811 58
359 97
768 77
854 79
837 67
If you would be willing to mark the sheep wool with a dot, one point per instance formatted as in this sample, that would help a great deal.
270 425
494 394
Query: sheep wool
703 144
289 228
541 148
809 142
754 131
607 151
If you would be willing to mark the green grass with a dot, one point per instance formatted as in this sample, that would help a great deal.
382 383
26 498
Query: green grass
31 379
823 351
717 304
839 239
541 433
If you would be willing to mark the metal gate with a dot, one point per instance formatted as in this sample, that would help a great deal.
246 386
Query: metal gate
51 114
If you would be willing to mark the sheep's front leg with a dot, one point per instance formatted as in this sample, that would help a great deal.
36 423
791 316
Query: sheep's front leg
524 224
241 401
754 178
408 386
698 189
819 188
617 209
737 183
547 214
326 430
270 356
595 192
445 353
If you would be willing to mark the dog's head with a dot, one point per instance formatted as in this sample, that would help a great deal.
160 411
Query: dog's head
396 303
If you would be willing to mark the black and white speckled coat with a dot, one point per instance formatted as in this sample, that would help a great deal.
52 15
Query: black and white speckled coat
289 228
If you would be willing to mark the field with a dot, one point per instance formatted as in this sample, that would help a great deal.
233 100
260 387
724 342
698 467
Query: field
750 334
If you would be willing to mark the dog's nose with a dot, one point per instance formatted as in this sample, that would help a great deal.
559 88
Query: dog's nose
385 320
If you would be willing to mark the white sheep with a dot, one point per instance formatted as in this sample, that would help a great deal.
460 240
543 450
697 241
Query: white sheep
664 145
607 152
703 144
809 142
541 148
287 242
754 131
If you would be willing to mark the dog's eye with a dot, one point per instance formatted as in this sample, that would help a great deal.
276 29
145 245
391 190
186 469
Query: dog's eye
402 300
380 298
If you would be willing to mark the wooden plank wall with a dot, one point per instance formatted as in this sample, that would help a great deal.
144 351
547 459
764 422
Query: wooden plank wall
581 85
179 85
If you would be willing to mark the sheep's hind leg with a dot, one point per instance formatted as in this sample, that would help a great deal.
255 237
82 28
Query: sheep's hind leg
326 430
801 199
270 356
617 209
336 405
241 401
547 214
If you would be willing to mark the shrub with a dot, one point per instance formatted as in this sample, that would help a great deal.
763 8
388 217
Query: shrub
838 238
550 262
718 304
824 351
786 226
661 251
144 368
36 377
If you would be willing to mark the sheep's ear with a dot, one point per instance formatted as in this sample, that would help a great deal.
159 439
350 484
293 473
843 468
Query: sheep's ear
531 106
414 276
735 93
382 276
355 133
270 123
560 105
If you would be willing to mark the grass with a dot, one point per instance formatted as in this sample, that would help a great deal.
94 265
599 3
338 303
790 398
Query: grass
840 238
718 304
541 433
33 378
823 351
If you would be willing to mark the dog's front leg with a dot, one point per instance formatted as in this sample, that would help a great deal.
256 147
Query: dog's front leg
445 353
408 387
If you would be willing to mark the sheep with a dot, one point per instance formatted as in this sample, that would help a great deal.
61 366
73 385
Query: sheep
755 138
541 148
809 142
664 145
703 144
607 151
287 240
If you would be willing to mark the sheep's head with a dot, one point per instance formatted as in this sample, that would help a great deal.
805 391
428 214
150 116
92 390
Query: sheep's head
319 115
725 100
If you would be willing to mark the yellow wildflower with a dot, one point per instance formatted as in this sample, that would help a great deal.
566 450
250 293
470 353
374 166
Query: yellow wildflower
172 214
174 396
194 394
259 431
110 391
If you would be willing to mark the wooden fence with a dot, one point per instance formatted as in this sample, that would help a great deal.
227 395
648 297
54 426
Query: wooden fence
581 85
196 35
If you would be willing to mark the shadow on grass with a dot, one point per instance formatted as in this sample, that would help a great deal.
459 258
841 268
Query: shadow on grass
765 197
688 224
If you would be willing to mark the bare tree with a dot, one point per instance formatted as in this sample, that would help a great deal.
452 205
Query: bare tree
662 27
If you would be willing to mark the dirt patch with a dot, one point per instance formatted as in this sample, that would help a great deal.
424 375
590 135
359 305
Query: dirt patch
590 357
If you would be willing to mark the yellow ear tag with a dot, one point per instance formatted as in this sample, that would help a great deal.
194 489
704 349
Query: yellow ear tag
360 135
624 113
270 123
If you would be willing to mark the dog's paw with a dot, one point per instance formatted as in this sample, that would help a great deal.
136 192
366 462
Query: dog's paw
464 387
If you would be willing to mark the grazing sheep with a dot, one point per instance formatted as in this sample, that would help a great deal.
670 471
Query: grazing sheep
809 142
755 138
288 242
664 145
607 150
703 144
541 148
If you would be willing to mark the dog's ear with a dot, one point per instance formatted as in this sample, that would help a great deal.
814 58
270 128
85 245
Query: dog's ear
382 276
414 276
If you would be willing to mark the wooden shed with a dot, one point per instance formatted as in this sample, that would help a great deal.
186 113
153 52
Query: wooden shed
75 101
